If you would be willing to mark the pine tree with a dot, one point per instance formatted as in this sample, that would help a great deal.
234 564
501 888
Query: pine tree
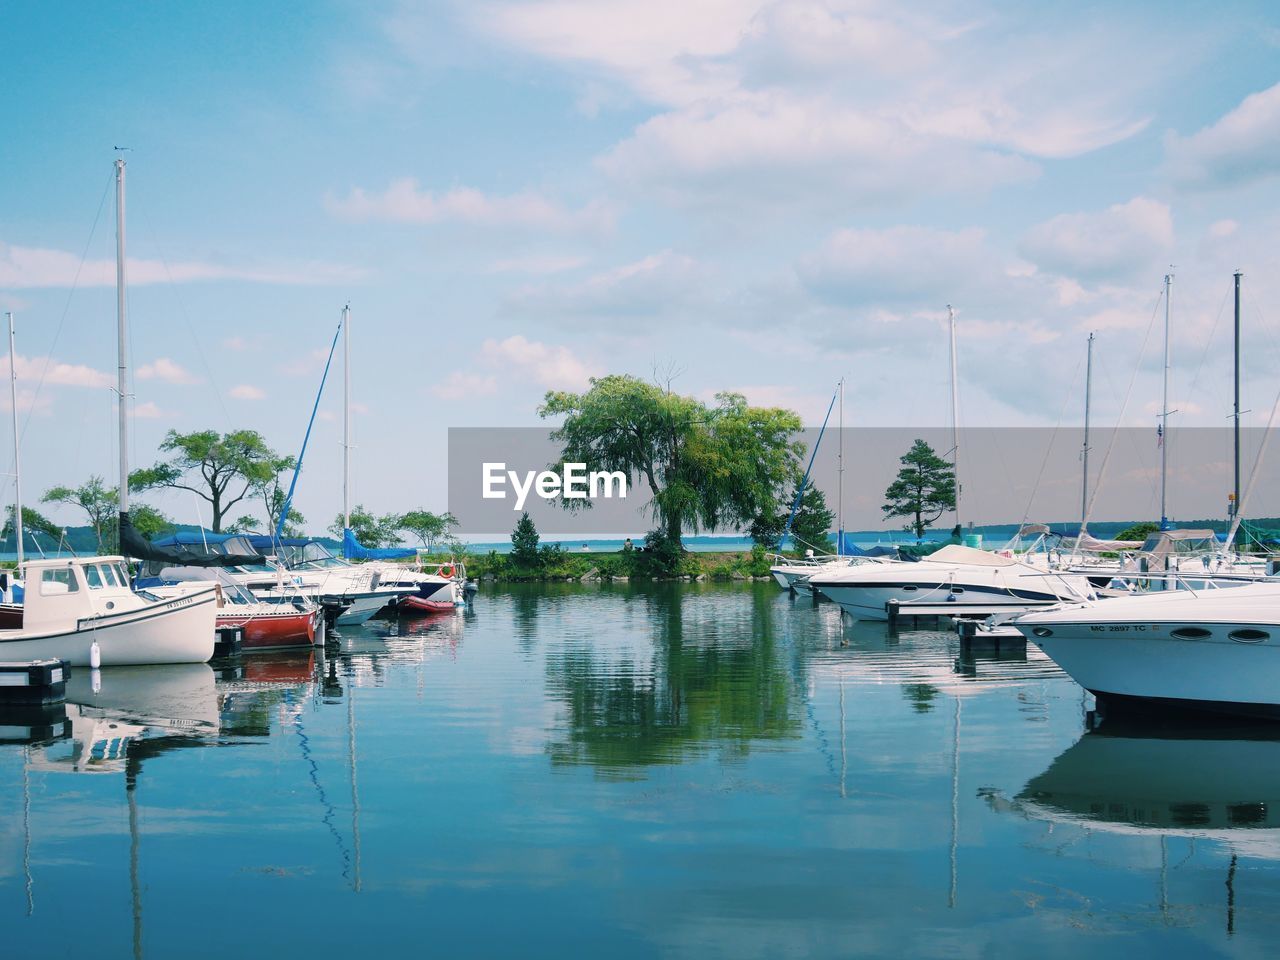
524 541
924 490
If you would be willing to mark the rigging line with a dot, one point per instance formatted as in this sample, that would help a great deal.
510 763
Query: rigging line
1026 514
186 318
1139 451
1191 390
1102 471
66 309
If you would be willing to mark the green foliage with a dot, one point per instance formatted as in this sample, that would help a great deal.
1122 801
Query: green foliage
426 526
372 531
33 521
706 466
94 498
1139 531
223 469
524 542
924 489
147 520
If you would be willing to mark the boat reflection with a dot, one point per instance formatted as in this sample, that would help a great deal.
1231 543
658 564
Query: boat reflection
1214 780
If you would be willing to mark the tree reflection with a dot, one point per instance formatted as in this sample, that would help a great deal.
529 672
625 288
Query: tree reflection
701 683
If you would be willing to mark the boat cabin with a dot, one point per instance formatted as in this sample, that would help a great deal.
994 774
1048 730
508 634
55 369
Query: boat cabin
60 592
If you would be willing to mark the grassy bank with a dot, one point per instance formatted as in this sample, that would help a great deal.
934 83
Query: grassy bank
555 564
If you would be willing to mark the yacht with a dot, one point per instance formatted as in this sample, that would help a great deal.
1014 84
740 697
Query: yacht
1208 649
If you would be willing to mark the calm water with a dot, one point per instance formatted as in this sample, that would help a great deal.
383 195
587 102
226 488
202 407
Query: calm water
684 770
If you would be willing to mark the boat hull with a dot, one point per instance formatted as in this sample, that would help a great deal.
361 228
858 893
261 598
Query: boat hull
273 630
181 630
433 604
870 601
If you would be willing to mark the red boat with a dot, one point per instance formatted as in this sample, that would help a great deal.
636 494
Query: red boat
416 603
285 626
10 616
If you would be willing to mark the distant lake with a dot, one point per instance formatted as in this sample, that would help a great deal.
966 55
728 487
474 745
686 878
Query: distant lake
629 770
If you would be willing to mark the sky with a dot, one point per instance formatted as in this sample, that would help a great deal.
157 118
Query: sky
736 194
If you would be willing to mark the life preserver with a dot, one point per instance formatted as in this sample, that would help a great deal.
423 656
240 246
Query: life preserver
440 571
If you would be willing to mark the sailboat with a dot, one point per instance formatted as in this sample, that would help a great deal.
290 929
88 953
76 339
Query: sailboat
84 610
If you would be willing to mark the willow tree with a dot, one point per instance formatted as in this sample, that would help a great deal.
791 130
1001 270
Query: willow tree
706 466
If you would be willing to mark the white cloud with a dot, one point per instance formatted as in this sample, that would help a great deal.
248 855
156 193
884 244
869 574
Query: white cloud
167 371
552 367
35 267
235 343
28 401
1120 241
245 391
538 264
1223 228
147 410
56 373
659 285
904 264
1241 147
462 384
404 201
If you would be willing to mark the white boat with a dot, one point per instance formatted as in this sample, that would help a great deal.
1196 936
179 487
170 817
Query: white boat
70 605
1208 649
954 574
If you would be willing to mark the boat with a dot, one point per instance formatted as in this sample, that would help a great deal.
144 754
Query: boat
76 605
1212 649
84 610
264 625
980 581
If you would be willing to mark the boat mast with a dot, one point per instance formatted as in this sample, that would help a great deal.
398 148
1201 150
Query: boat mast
1164 414
17 462
1235 493
840 482
122 382
346 416
1084 453
955 412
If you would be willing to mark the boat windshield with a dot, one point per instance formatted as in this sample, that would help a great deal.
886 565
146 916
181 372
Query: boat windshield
313 556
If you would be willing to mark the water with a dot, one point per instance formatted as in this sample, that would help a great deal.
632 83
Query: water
632 771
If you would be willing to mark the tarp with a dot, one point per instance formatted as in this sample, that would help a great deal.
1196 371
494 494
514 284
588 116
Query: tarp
851 549
352 549
173 552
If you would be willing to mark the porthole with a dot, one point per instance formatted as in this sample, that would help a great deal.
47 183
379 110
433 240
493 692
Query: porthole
1249 635
1191 633
1042 631
909 589
957 589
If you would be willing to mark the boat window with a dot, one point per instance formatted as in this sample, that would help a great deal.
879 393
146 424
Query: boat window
95 577
910 588
1191 633
1248 635
108 574
54 582
124 574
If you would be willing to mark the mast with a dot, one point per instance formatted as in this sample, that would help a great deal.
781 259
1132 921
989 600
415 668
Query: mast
955 412
1164 411
122 382
346 416
1084 453
840 482
17 462
1235 492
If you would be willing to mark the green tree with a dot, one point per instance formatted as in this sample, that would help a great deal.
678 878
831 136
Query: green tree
426 526
924 490
372 531
1139 531
812 526
95 498
272 492
524 541
33 521
222 469
705 466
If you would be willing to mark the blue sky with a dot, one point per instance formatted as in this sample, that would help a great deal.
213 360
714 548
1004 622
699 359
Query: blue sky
515 196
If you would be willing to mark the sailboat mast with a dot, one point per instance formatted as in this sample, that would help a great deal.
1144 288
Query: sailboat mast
955 412
1084 453
840 481
17 461
346 416
1235 493
1164 411
122 382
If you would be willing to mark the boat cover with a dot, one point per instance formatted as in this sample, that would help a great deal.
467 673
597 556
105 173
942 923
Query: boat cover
352 549
174 552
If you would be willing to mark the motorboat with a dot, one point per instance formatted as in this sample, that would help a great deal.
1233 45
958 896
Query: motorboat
954 574
263 624
73 605
1213 649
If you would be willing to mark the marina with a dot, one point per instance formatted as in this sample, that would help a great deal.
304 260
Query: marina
669 769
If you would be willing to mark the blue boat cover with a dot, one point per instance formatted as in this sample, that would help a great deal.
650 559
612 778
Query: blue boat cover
352 549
